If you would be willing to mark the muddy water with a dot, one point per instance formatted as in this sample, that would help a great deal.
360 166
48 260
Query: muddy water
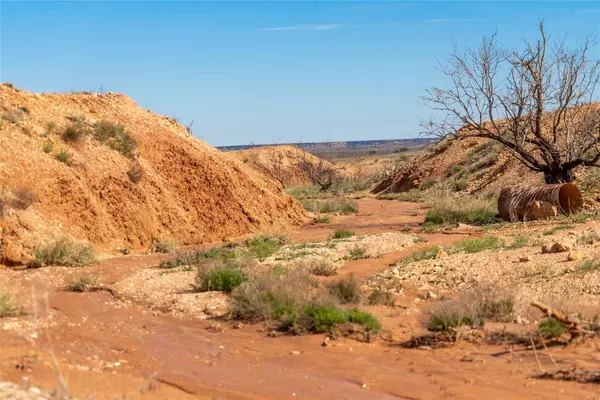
108 348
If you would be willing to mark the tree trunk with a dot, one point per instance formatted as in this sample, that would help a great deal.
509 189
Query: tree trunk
558 175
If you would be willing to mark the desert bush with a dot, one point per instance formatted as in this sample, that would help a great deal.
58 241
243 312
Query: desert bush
450 314
419 255
322 267
412 196
357 253
161 245
460 185
23 198
64 157
428 184
116 137
14 117
380 297
324 317
135 173
346 291
550 328
75 132
589 238
63 252
264 246
519 242
344 206
84 284
476 245
343 234
9 305
322 219
224 254
51 125
588 266
449 210
219 277
48 147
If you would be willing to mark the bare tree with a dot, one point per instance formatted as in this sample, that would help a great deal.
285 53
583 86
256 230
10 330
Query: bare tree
321 172
536 101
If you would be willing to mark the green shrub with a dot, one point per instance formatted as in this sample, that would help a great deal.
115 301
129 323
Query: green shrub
551 328
450 210
587 266
9 305
322 219
419 255
64 157
321 206
519 242
343 234
380 297
357 253
364 318
428 184
224 254
478 244
63 252
324 317
264 246
48 147
222 278
497 310
460 185
84 284
51 125
116 137
443 322
346 291
74 133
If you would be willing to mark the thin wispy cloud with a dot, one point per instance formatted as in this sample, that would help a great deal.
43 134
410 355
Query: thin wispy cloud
446 20
303 27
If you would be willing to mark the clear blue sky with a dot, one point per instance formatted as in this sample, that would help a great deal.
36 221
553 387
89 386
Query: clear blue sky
265 72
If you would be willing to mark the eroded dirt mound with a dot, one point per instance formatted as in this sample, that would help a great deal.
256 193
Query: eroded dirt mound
281 163
111 192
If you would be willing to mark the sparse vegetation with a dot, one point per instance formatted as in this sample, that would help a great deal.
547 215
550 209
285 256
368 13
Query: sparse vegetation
412 196
558 228
357 253
264 246
419 255
380 297
48 147
550 328
63 252
223 254
220 277
346 291
320 206
322 219
460 185
476 245
75 132
161 245
343 234
9 305
23 198
323 267
588 266
115 136
450 210
589 238
51 125
443 322
519 242
64 157
428 184
84 284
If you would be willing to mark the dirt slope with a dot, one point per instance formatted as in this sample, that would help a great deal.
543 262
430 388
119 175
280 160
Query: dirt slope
280 163
190 192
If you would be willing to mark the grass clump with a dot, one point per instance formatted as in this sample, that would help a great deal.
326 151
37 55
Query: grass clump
161 245
223 254
444 322
550 328
412 196
460 185
343 234
323 267
344 206
322 219
559 228
357 253
75 132
23 198
346 291
264 246
469 211
425 254
588 238
48 147
84 284
116 137
519 242
9 305
64 157
222 278
380 297
478 244
63 252
588 266
324 317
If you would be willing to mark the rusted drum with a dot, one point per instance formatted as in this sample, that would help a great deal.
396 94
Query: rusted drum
529 203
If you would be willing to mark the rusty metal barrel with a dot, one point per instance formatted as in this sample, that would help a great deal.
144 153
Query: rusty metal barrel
517 203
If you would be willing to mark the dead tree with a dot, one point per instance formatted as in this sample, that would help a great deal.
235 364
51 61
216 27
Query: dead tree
322 173
536 101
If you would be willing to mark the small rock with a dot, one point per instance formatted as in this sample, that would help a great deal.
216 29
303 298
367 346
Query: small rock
561 247
574 256
431 295
295 353
546 248
238 325
325 342
525 258
216 327
364 385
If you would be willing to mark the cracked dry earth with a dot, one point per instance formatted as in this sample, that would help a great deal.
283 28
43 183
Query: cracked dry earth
158 343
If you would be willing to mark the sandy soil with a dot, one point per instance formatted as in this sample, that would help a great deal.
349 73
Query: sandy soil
110 346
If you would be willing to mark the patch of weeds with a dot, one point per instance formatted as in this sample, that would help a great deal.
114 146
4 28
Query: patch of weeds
222 278
365 319
84 284
63 252
419 239
343 234
412 196
161 245
478 244
116 137
64 157
550 328
9 305
588 266
303 246
23 198
124 250
48 147
449 210
13 117
588 238
444 322
460 185
559 228
419 255
322 219
428 184
264 246
279 270
346 291
497 310
357 253
322 267
519 242
75 132
324 316
51 125
344 206
135 173
380 297
224 254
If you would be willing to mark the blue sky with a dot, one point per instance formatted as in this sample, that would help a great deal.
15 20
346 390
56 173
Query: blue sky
265 72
